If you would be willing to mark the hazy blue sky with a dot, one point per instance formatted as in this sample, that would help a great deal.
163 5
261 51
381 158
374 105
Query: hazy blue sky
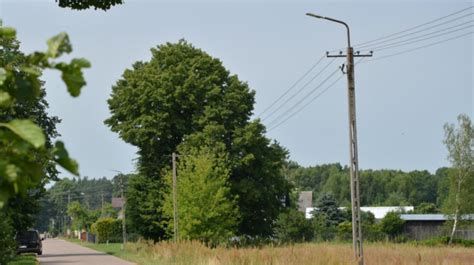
402 101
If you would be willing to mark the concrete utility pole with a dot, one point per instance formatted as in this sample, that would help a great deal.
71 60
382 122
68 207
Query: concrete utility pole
68 217
102 202
124 229
354 166
175 201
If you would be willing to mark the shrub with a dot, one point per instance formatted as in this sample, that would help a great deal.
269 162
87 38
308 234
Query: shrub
392 224
344 231
108 230
7 241
323 229
292 226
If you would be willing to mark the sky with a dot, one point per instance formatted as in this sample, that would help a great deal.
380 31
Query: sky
402 101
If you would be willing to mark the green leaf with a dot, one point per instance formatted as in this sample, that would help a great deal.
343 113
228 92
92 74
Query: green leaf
27 130
58 45
61 157
3 75
35 71
7 32
5 99
28 87
12 172
80 63
72 75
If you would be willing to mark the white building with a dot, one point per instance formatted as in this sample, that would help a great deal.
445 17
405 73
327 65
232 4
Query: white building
378 212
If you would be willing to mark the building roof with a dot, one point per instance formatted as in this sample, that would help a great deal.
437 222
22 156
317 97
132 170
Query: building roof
117 202
378 212
432 217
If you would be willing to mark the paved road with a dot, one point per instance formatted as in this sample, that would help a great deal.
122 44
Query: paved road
56 251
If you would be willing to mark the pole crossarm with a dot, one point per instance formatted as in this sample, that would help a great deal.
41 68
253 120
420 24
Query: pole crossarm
355 54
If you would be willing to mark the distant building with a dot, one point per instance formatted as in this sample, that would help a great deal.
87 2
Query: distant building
378 212
305 200
117 202
425 226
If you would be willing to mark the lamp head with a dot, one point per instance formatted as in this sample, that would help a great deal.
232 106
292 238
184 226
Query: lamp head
314 15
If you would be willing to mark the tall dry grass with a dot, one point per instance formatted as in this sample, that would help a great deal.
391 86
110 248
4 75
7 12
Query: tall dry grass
195 253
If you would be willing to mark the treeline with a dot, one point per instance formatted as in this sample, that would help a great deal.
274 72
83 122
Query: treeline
378 187
92 194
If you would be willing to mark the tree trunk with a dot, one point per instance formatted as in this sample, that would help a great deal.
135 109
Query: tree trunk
456 213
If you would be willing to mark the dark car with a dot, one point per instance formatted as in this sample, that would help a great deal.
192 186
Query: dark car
29 241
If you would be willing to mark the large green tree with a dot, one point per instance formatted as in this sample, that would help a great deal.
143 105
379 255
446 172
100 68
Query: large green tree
183 91
460 144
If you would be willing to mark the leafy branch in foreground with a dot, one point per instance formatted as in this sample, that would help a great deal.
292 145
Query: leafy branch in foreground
86 4
22 141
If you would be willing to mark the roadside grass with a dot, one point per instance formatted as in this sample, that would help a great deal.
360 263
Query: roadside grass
25 259
114 249
195 253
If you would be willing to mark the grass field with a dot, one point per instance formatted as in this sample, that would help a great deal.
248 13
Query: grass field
194 253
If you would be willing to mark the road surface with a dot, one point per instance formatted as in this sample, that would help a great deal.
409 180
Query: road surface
57 251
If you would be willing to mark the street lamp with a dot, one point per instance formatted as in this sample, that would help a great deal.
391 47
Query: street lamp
354 167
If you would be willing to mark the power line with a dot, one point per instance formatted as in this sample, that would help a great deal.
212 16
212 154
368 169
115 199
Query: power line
382 40
291 87
299 90
416 39
415 27
307 104
304 98
412 33
311 101
420 47
379 58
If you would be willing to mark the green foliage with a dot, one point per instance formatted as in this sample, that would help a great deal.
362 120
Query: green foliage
24 260
183 93
326 217
84 192
86 4
108 230
344 231
425 208
327 206
7 240
323 229
380 187
444 240
22 139
207 210
292 227
392 224
22 211
82 218
145 207
370 229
